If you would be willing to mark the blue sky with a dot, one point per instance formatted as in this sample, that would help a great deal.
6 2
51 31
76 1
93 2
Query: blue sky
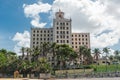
12 20
93 16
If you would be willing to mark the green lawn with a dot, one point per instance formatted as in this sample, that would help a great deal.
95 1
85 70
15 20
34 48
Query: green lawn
99 68
110 68
74 71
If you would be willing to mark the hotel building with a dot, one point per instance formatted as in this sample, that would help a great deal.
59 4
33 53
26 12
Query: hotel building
60 33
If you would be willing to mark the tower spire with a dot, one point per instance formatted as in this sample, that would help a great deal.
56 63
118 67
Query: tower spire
59 10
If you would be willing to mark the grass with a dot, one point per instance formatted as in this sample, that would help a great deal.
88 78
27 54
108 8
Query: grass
99 68
74 71
110 68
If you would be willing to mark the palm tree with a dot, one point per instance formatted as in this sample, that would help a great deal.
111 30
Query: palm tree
29 53
23 53
36 53
81 53
116 56
63 53
97 53
106 51
45 49
85 55
53 50
116 52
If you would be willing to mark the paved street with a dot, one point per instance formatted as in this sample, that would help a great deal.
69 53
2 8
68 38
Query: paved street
118 78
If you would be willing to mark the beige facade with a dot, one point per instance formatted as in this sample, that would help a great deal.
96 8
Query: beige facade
41 35
60 33
80 39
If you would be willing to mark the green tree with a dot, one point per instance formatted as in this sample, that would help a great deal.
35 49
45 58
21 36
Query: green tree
97 53
116 52
106 51
23 52
63 53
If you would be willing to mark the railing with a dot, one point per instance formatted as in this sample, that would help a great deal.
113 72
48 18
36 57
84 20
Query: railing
90 75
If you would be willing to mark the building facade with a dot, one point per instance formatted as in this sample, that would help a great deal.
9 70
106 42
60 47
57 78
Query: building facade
61 33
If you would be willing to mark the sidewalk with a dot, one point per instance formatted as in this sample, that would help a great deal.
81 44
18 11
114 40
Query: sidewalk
114 78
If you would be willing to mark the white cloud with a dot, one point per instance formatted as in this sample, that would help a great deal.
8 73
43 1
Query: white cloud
33 11
22 39
100 18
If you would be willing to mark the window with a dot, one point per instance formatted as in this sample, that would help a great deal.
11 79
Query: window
63 36
67 28
57 23
44 35
86 35
86 43
79 42
33 34
63 27
61 41
37 34
40 38
57 27
83 39
67 36
72 35
60 23
37 42
37 38
41 31
61 32
48 31
51 35
37 31
57 32
60 27
33 38
34 31
75 46
79 39
57 41
33 42
44 31
79 35
63 23
82 35
44 38
48 38
83 43
72 42
48 34
86 39
57 36
67 32
76 39
66 23
60 36
75 35
67 41
75 42
72 46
